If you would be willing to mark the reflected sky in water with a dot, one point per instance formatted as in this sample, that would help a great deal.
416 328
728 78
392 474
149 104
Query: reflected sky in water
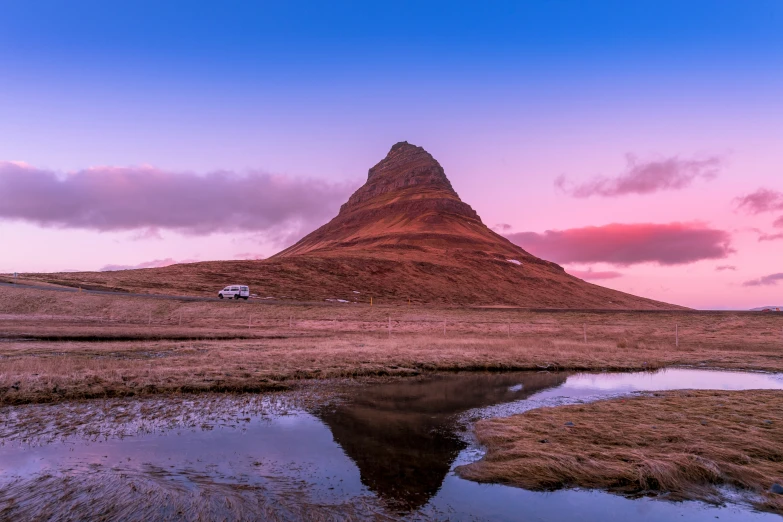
392 447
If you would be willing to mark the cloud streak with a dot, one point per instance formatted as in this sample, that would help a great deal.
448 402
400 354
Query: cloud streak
645 177
590 275
763 200
768 280
628 244
157 263
770 237
723 268
117 199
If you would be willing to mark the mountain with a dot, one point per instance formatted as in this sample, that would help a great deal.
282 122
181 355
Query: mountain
404 235
407 205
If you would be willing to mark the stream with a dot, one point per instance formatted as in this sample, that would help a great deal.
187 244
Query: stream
377 452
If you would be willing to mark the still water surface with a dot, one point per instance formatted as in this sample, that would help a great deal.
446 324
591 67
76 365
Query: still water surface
384 452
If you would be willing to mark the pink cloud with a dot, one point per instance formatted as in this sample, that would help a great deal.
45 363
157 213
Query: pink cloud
157 263
149 233
722 268
590 275
763 200
778 222
768 280
249 256
113 199
645 177
770 237
628 244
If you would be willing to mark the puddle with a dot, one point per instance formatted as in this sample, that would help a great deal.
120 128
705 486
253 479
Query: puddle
384 452
585 387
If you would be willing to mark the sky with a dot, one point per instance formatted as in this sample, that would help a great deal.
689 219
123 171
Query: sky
638 144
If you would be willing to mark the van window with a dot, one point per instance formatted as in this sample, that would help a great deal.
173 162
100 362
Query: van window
243 288
235 289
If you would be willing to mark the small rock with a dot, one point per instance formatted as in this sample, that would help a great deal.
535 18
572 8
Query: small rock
767 421
544 441
777 489
569 423
704 423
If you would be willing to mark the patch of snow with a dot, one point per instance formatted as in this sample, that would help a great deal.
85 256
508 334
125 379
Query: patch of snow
355 292
516 262
337 300
516 388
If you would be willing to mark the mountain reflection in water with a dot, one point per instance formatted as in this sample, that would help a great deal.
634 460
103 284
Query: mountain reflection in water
402 435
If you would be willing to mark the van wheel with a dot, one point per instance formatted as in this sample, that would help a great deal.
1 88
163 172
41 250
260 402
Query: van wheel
236 297
245 298
220 296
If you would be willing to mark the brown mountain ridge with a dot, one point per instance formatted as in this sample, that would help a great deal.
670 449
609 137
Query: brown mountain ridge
404 235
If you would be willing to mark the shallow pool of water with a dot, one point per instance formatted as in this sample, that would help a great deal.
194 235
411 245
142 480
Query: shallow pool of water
384 451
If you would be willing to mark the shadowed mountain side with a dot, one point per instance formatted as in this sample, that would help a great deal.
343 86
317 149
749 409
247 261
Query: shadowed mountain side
405 234
401 436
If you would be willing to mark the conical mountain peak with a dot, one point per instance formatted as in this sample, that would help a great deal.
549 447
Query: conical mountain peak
406 159
406 167
406 203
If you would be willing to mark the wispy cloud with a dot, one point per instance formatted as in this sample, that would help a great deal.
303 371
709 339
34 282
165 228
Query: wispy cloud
722 268
146 198
502 227
645 177
249 256
768 280
628 244
770 237
148 233
156 263
591 275
763 200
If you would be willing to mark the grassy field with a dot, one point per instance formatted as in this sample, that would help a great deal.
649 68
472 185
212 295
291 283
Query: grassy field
687 444
56 346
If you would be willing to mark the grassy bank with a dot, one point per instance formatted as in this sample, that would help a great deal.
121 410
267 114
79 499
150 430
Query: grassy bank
686 444
56 346
40 371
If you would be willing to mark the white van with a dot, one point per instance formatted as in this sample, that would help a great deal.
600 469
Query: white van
235 291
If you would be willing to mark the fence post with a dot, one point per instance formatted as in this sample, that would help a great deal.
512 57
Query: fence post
150 319
584 331
676 335
249 321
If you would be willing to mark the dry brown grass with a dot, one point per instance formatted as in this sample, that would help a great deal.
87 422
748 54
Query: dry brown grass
687 444
82 345
126 494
